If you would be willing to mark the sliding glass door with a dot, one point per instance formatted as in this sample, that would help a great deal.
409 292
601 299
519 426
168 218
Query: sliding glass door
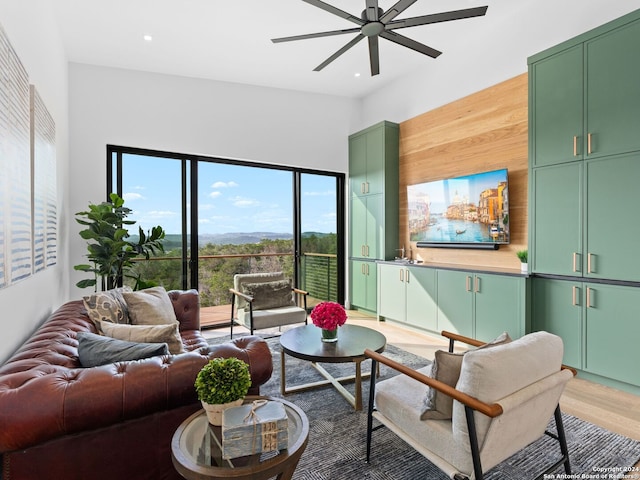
224 217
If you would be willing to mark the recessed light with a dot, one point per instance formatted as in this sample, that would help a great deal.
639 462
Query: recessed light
147 38
356 75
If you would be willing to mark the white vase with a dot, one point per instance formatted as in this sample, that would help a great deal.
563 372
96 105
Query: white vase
214 412
524 267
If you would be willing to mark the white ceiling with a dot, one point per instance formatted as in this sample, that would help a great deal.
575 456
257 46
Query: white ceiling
230 41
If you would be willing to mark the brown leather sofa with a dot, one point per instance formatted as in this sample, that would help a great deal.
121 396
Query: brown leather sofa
115 421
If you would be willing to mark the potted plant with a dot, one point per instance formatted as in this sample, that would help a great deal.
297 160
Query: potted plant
329 316
524 257
220 384
110 252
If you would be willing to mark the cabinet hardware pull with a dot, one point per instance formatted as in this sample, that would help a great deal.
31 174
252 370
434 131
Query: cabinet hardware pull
402 275
407 276
575 256
477 284
574 295
575 145
362 269
367 269
468 282
589 298
589 255
367 250
589 143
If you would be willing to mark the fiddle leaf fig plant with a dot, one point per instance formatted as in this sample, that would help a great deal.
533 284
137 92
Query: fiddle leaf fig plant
223 380
110 252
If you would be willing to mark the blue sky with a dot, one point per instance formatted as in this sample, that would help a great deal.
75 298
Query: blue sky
231 198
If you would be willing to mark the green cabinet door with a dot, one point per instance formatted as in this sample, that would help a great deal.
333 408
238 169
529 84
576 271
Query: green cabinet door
455 302
391 291
357 164
612 225
613 91
557 308
367 234
556 219
612 331
499 306
557 108
363 284
375 160
422 303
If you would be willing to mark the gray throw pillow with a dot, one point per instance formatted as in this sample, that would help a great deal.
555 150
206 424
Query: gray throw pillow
269 294
94 350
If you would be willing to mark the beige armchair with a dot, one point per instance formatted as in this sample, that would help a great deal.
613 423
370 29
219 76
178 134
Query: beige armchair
266 300
501 402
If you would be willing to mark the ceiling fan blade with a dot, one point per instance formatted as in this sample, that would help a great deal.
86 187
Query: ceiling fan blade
339 52
374 55
412 44
336 11
437 18
315 35
396 10
372 10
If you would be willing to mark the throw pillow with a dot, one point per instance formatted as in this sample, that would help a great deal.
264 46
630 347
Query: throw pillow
446 368
168 334
151 306
107 306
94 350
269 294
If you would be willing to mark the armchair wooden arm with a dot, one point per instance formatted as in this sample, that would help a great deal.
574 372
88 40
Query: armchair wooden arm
247 298
491 410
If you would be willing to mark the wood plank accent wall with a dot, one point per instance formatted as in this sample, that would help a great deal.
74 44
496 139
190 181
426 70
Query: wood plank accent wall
484 131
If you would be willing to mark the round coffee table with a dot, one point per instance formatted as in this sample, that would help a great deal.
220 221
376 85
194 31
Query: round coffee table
305 343
196 449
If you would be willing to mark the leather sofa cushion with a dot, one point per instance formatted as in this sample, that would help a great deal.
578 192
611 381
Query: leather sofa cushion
94 350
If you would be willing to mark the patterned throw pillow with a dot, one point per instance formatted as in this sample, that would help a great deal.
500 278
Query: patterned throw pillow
107 306
269 294
151 306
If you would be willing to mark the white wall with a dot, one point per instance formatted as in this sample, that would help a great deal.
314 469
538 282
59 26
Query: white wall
31 29
186 115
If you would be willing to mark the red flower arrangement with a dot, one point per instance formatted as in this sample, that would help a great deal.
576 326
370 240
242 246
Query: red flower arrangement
328 315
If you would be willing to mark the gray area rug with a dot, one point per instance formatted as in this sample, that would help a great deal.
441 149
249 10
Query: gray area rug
337 438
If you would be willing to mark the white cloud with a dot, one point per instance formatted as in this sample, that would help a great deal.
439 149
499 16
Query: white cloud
242 202
230 184
326 193
215 194
161 214
131 197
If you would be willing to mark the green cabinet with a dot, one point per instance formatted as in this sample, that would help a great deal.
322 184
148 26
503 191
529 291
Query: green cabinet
557 308
584 95
612 228
373 206
585 154
408 294
556 219
596 321
481 305
363 282
556 107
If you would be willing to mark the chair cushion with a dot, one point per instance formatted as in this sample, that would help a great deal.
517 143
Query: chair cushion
151 306
107 306
147 334
94 350
241 278
446 368
269 294
273 317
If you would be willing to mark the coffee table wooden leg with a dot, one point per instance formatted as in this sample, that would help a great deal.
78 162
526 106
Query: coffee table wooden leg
283 378
358 386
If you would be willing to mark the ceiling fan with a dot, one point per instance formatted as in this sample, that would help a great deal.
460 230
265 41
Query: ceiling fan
375 23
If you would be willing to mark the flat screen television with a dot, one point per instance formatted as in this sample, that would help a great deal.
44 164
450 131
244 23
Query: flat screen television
470 211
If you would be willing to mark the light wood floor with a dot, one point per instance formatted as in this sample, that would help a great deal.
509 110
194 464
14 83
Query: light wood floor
609 408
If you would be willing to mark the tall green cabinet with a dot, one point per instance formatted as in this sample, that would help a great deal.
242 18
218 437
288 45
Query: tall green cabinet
584 169
373 208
